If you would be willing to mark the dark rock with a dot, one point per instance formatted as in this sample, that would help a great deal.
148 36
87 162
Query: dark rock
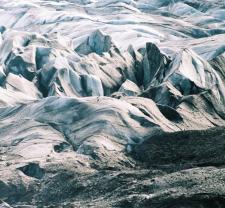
184 150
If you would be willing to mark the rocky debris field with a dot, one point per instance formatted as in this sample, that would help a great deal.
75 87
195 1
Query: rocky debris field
109 103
